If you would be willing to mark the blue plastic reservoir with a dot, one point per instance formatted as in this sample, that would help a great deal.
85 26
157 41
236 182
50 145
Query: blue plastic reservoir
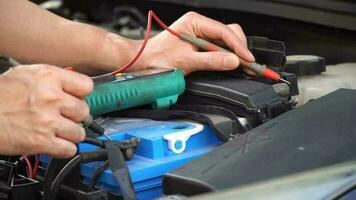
153 157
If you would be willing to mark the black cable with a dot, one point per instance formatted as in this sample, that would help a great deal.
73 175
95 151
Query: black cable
94 141
93 125
97 173
48 190
83 157
120 170
115 158
66 170
53 167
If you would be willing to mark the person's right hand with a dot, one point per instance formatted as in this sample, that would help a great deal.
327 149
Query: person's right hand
168 51
40 107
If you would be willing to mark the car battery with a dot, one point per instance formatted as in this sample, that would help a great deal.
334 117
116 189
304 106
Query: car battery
164 146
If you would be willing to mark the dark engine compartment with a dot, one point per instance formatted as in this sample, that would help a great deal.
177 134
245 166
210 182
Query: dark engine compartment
316 28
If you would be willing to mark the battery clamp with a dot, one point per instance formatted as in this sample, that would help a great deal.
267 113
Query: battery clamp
177 141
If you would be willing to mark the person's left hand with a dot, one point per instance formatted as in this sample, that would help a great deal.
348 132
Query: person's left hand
166 50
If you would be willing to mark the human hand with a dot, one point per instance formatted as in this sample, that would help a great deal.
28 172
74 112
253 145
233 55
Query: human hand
40 107
166 50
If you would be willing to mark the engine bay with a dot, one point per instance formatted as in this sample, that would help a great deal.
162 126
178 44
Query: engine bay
170 136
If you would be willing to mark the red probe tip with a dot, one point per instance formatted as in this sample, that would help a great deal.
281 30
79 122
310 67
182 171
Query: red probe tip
268 73
271 74
69 68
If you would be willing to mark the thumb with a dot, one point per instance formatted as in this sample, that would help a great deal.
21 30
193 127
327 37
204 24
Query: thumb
216 61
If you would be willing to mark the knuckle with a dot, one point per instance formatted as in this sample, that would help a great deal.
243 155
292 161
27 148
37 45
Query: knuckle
82 111
88 84
51 147
48 122
209 61
237 26
78 137
85 110
48 96
65 152
44 66
58 151
191 14
70 153
44 70
83 82
72 105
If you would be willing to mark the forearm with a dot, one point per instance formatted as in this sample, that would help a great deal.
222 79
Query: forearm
33 35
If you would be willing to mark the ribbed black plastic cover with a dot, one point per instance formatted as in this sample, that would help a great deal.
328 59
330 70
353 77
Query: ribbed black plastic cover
319 134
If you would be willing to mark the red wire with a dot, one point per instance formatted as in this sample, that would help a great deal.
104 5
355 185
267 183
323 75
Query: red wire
35 168
145 40
29 166
164 25
69 68
147 35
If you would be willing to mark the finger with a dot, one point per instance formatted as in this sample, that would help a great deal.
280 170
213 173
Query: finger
74 83
73 108
213 30
60 148
238 32
220 61
70 131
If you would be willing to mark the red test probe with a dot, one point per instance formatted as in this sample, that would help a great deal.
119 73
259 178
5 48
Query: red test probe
261 70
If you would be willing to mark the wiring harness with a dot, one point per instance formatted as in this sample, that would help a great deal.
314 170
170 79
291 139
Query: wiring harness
113 153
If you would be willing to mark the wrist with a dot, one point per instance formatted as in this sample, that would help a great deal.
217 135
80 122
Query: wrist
127 50
115 53
101 51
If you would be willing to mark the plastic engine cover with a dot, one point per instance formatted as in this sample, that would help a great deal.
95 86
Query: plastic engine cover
319 134
258 102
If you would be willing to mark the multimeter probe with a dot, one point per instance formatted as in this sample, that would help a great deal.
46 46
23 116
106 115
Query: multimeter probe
261 70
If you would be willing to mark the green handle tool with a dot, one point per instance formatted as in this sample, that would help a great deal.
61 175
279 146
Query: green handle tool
158 87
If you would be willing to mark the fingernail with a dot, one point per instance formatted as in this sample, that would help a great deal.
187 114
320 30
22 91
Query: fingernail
83 134
72 151
251 57
231 61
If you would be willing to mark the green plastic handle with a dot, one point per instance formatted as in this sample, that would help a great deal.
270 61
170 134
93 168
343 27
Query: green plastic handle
161 90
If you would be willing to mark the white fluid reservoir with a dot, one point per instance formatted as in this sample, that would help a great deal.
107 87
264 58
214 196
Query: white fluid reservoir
336 76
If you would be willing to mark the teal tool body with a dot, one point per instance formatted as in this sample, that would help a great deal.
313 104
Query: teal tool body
158 87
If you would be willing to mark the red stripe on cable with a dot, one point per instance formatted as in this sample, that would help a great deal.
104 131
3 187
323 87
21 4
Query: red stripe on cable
35 168
151 15
29 166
